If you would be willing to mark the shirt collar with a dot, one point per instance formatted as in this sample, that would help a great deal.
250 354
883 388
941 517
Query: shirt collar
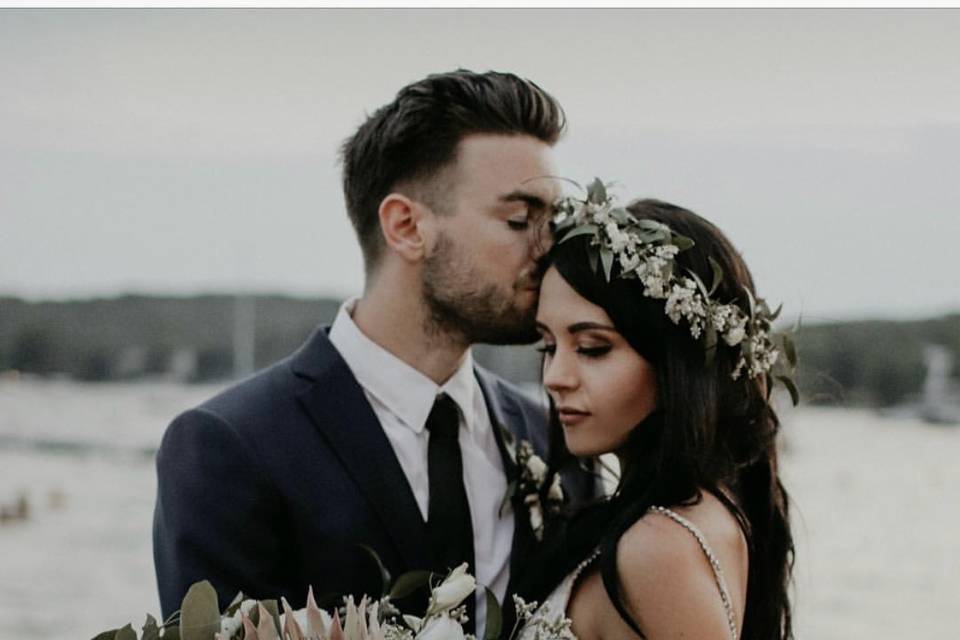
402 389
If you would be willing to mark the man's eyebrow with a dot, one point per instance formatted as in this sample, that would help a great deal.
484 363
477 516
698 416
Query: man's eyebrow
535 201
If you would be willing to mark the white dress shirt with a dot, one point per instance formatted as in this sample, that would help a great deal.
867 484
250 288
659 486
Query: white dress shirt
402 398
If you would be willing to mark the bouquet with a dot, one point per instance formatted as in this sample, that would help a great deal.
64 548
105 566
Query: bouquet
199 617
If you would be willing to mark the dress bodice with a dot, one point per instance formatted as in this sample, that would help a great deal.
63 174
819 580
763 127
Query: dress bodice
549 619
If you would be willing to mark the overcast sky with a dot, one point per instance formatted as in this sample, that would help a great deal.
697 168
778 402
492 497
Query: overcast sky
195 150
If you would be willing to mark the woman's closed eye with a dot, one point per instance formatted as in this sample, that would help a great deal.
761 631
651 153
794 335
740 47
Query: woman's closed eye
588 351
518 224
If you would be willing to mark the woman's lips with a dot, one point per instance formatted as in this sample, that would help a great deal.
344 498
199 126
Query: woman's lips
570 416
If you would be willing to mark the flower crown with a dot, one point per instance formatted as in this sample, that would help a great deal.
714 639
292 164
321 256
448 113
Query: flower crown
645 250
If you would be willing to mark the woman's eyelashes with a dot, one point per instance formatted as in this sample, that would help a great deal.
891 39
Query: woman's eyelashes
518 224
592 351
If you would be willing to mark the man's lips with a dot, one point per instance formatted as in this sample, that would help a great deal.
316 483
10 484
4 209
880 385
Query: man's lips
571 416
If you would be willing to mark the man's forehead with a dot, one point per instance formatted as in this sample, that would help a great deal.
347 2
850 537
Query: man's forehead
537 190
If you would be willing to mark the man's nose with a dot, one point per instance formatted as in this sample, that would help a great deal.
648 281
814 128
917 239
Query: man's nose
541 240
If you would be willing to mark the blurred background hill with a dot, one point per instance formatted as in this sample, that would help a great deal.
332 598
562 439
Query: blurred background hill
878 363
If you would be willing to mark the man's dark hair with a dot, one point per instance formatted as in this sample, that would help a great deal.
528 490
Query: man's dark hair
414 137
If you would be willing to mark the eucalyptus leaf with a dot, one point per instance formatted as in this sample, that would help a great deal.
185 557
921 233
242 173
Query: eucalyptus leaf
596 192
752 301
620 215
702 287
606 256
385 578
127 633
682 242
582 230
150 629
106 635
199 613
652 225
172 632
408 583
776 313
717 275
790 350
792 388
494 616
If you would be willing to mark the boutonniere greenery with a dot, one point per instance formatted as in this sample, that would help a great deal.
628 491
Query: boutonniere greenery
540 493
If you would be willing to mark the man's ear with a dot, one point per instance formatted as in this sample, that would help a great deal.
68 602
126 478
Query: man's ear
400 223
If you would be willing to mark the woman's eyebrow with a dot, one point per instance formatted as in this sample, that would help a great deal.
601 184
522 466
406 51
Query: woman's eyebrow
585 326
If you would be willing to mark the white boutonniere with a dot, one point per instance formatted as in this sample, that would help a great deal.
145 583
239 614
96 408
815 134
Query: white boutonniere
539 494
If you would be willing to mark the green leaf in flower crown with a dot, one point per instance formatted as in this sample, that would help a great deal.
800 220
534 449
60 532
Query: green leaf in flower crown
596 192
652 225
682 242
385 578
792 388
582 230
408 583
150 629
106 635
717 275
199 613
753 303
606 256
789 350
127 633
171 633
621 215
776 312
494 617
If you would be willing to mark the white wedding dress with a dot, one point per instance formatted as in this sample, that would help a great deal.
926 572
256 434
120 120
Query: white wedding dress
552 612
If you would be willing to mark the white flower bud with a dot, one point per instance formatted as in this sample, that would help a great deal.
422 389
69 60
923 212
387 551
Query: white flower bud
537 468
452 591
441 628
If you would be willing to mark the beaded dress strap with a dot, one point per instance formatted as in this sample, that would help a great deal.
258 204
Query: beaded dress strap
714 564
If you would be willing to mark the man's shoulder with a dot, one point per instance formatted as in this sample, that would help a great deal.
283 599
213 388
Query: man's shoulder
526 397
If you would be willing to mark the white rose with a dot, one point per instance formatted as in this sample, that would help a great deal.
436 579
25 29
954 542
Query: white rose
556 490
441 628
536 517
735 335
453 590
537 467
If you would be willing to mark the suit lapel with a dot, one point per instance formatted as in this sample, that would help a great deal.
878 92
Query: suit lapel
509 427
340 410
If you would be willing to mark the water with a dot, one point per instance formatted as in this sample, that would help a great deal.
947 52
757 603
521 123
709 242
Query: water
875 514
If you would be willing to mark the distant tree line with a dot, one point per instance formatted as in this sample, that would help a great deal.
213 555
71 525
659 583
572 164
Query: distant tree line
876 363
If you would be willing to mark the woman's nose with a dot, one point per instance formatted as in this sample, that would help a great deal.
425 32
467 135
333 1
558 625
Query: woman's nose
559 373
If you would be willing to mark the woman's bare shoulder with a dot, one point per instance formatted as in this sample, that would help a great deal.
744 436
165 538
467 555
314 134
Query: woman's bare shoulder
669 585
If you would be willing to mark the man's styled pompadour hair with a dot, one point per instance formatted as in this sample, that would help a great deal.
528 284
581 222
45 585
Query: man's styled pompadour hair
412 138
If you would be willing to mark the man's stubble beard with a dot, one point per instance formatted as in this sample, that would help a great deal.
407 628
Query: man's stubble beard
478 313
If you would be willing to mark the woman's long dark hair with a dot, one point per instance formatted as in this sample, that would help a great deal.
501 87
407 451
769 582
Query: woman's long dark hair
709 432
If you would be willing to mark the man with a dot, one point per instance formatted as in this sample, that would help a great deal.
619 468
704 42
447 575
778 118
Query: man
380 431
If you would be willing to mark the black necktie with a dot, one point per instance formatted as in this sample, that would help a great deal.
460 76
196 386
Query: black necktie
448 520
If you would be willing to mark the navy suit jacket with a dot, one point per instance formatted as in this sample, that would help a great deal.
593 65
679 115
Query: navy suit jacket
272 485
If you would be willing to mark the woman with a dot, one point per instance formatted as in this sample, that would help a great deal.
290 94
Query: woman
644 360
